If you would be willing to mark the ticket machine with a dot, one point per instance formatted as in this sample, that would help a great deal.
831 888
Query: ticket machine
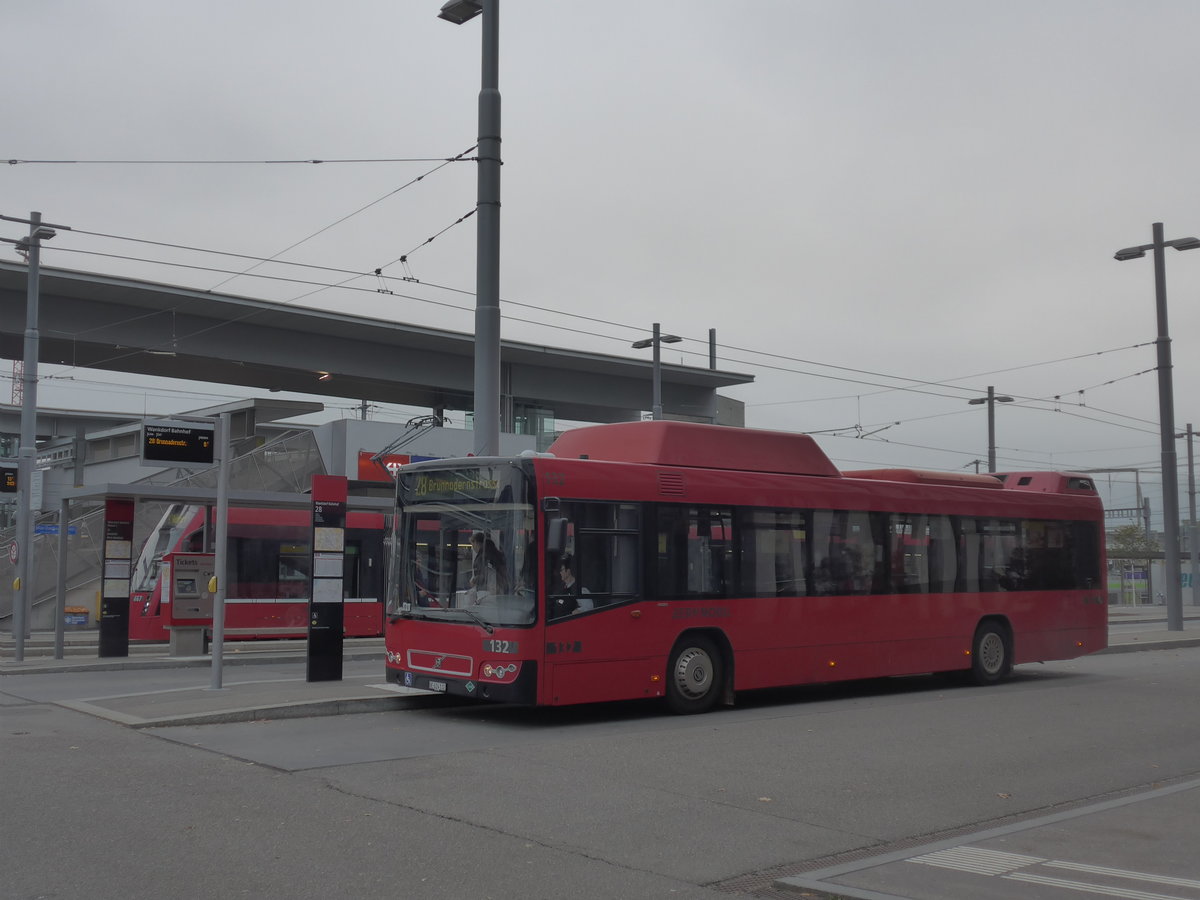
186 577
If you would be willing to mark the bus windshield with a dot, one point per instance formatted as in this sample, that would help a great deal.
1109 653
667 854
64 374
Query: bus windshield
463 546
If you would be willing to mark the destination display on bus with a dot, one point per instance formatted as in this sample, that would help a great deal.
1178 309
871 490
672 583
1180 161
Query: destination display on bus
457 485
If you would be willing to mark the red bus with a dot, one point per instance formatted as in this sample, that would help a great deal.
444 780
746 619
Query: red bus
270 556
709 560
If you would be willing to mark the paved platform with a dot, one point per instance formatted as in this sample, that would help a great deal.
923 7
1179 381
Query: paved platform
1087 850
266 680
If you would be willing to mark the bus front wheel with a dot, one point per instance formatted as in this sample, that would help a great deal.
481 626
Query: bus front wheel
695 676
991 653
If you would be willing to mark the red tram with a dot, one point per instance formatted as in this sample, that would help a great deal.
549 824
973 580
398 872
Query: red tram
269 559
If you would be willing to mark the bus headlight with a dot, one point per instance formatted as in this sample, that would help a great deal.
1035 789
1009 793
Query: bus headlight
503 672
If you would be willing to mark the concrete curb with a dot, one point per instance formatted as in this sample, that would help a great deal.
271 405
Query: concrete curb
48 666
1132 646
300 709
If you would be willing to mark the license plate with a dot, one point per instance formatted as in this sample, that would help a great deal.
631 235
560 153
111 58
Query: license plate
437 686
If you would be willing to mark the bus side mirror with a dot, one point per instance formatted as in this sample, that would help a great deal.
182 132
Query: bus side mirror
556 535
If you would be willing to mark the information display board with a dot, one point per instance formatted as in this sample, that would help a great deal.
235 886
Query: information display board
177 443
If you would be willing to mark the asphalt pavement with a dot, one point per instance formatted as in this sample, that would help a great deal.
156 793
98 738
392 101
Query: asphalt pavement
247 691
1081 848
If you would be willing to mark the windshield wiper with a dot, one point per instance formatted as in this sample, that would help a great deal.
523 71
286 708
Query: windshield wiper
477 619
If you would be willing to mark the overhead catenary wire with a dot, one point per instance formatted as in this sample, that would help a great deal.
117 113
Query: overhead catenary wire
318 285
354 275
351 215
910 385
233 162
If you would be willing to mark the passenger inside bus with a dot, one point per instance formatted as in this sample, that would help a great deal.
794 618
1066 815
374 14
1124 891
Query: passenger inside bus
571 596
489 572
425 581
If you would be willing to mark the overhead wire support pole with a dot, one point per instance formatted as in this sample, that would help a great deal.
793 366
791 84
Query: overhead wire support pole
1193 548
991 400
27 452
487 248
1166 415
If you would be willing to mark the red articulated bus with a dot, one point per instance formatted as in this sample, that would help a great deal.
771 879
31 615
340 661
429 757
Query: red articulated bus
270 557
685 561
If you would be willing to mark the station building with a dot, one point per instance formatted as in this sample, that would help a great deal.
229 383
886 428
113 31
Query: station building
126 325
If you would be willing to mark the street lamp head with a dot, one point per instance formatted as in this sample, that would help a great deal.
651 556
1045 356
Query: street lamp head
662 339
1187 243
41 233
459 11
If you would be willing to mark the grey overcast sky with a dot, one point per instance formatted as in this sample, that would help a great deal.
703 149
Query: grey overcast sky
881 207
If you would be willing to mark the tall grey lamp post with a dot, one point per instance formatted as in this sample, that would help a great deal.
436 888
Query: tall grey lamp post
27 453
1166 415
658 339
487 211
991 400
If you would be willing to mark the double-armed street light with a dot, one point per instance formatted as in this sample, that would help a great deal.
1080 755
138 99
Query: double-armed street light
487 248
656 341
991 400
1166 413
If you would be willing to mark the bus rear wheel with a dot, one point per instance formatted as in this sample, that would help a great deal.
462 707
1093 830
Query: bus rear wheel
991 653
695 676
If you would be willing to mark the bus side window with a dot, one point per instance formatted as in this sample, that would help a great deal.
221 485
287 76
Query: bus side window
695 551
603 542
943 560
772 552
